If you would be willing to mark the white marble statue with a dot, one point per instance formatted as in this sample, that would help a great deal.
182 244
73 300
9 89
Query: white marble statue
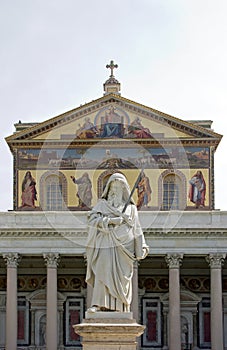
115 241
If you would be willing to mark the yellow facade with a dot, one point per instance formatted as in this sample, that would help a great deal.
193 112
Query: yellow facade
108 135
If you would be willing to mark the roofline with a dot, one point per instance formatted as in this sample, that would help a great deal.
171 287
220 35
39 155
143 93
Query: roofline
52 122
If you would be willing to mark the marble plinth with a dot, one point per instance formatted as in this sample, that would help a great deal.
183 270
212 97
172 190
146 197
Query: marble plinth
109 331
109 315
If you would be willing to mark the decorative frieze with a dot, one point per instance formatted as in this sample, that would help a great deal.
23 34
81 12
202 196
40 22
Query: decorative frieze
28 283
42 233
12 259
174 261
215 261
161 283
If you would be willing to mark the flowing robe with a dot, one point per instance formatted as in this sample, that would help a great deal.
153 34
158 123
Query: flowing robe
28 193
144 192
84 193
197 190
111 251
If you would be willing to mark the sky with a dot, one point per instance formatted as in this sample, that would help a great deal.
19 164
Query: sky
172 56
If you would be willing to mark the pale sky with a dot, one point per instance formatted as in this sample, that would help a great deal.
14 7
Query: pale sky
172 56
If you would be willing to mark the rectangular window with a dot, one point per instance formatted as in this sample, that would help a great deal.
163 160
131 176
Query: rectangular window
74 313
204 324
22 321
152 319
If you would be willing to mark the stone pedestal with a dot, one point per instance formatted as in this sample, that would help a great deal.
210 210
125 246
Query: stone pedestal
109 331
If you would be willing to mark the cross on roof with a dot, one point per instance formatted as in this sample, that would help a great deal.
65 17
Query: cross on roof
111 66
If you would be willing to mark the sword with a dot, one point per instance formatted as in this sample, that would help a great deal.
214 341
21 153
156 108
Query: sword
133 189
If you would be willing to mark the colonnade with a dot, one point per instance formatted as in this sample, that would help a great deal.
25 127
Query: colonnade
173 261
12 261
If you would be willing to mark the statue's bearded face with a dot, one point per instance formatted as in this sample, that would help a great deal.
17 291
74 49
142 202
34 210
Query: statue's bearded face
115 195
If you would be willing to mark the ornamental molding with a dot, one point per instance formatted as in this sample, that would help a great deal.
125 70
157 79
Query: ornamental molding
186 233
90 143
42 234
148 232
82 234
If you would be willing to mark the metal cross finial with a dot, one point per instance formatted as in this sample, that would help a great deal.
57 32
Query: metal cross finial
111 66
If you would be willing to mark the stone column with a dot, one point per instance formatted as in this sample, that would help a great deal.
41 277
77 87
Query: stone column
135 293
89 295
52 306
174 261
12 260
215 261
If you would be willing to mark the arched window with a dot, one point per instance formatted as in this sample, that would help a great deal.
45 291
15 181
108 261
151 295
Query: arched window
53 194
172 191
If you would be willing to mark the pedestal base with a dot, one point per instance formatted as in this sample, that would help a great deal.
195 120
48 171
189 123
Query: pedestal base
109 331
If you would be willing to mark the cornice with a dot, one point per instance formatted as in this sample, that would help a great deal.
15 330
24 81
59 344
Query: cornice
90 142
149 233
151 221
186 233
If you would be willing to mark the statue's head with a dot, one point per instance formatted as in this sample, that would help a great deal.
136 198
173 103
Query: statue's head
117 185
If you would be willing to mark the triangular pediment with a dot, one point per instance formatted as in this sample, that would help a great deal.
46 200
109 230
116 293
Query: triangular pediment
112 117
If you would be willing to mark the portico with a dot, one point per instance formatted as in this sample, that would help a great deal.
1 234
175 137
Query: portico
172 295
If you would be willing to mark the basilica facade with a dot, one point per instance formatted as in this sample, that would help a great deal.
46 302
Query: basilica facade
61 167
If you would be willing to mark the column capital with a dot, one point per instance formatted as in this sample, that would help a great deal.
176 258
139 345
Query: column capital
51 259
174 260
215 260
12 259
